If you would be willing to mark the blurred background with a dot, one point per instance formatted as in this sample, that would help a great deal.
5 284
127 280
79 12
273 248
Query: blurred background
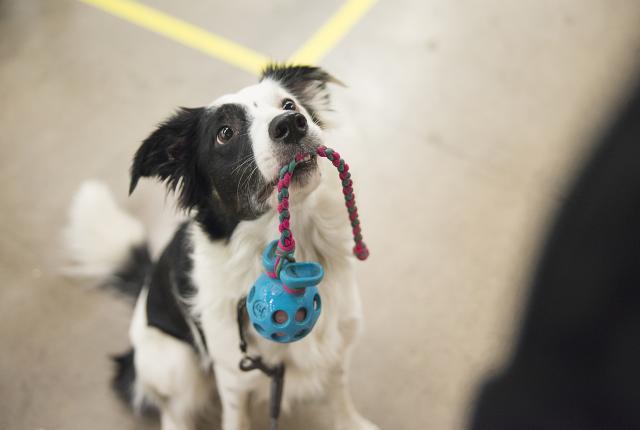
464 120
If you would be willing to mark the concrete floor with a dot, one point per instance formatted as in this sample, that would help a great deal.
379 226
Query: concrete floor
486 106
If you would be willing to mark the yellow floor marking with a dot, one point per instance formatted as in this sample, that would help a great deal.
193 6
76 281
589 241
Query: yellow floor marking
224 49
183 32
331 32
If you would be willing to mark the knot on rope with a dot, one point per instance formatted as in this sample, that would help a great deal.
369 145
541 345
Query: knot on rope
284 252
286 246
361 251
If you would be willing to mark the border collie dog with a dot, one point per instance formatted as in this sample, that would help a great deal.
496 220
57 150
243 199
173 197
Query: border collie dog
222 162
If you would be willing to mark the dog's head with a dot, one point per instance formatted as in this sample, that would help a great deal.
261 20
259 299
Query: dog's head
223 159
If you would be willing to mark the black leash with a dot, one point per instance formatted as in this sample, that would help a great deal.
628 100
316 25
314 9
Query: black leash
248 363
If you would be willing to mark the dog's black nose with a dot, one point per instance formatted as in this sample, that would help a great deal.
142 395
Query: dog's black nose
288 127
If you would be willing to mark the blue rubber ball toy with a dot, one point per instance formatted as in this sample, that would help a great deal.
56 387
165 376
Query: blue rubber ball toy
285 309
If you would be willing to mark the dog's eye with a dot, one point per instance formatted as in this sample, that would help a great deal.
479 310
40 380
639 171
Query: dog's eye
288 104
224 135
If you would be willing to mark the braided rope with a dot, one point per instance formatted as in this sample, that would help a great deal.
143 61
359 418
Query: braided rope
287 245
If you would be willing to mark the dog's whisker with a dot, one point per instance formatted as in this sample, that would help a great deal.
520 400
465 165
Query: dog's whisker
246 183
242 162
239 185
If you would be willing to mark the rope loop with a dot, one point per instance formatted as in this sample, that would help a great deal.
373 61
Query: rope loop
287 245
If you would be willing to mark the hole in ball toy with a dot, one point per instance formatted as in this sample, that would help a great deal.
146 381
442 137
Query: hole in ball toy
280 317
258 327
316 302
252 293
300 333
301 314
277 335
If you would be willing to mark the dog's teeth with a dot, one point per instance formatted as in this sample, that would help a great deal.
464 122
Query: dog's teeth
306 157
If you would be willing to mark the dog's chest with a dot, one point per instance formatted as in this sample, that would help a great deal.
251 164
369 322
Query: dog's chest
224 272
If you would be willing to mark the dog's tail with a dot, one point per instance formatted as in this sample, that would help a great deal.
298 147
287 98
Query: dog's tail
105 243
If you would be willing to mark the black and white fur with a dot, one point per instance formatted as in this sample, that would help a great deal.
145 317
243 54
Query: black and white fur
222 161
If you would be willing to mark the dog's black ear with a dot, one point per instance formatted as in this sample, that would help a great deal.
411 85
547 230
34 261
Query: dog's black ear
307 83
170 154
